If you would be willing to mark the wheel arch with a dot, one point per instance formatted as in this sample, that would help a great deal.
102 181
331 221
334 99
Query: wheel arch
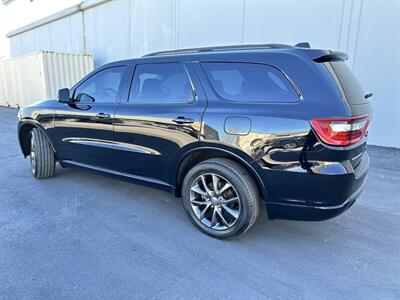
24 129
197 155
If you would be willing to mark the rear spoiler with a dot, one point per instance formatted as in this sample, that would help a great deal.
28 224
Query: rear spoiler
331 56
321 56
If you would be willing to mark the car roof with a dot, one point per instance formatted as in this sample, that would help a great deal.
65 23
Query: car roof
222 52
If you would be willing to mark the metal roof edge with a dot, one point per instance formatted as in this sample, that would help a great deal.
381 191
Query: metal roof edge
84 5
57 16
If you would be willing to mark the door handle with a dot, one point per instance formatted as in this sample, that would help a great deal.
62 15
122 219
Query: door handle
103 116
183 120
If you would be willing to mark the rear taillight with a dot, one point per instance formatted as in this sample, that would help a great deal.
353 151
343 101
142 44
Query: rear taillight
341 131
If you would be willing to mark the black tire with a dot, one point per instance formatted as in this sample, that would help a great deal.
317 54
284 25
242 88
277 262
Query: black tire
243 185
43 162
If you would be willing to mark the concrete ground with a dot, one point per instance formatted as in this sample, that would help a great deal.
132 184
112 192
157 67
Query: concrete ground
84 236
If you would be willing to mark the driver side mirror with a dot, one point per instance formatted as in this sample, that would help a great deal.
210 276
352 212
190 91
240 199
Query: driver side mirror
63 96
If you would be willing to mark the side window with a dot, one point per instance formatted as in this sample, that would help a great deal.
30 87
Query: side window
161 83
102 87
250 82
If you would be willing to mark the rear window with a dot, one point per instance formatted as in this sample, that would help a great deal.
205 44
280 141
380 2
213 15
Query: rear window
250 82
350 88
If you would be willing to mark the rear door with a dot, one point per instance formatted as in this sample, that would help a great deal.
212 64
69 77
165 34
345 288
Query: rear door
84 129
160 121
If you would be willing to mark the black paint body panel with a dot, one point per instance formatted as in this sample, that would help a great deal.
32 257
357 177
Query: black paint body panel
299 177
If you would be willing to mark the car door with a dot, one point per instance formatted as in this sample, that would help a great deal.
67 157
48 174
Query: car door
84 129
160 121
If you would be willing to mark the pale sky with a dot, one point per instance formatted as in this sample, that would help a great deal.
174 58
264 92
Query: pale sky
22 12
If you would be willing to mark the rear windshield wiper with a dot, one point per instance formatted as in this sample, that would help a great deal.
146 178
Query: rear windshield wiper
369 95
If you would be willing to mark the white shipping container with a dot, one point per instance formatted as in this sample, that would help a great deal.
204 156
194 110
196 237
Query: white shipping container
38 76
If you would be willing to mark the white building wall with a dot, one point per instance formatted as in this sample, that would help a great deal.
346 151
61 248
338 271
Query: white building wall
107 38
64 35
209 22
153 26
376 62
368 30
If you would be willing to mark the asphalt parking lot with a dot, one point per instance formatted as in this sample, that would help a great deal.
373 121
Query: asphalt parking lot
84 236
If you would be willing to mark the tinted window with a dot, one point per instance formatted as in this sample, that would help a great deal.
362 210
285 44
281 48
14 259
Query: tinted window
347 83
249 82
161 83
103 86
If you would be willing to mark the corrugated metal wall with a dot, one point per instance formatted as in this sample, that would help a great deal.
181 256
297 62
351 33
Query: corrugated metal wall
38 76
369 31
21 79
64 70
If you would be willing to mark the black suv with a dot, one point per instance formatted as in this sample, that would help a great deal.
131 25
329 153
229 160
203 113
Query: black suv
226 128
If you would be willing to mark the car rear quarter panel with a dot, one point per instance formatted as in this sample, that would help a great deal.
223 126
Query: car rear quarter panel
281 142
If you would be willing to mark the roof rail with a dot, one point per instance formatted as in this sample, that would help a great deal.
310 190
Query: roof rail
218 48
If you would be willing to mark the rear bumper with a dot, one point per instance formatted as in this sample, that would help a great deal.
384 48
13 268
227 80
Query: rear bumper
311 196
312 212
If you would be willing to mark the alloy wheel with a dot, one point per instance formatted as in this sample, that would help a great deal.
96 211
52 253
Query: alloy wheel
215 201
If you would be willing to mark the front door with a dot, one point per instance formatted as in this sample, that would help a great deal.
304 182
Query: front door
160 120
84 129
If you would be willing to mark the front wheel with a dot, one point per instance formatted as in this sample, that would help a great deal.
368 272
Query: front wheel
42 155
220 198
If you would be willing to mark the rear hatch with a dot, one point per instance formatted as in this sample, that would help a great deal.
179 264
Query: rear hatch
357 100
349 131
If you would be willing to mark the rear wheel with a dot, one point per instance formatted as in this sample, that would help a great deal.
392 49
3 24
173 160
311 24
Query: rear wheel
42 155
220 198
